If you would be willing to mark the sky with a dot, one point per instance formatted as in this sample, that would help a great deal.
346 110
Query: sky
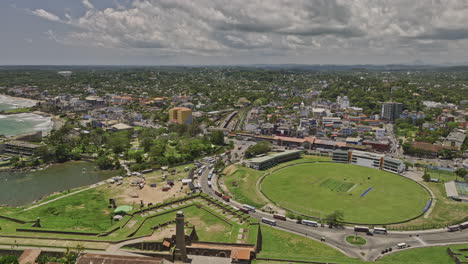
227 32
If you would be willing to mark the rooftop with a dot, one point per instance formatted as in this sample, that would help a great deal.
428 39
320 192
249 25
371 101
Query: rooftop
274 155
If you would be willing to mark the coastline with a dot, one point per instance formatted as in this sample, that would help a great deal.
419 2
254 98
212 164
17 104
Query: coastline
20 101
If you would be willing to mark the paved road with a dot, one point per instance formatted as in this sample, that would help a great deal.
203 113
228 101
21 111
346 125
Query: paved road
335 237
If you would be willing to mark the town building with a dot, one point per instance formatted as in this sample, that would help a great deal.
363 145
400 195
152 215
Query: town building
340 156
366 159
19 147
455 139
391 111
65 73
378 145
369 159
343 102
393 165
266 162
180 115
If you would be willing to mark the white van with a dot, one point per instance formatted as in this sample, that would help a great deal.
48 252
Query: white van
402 245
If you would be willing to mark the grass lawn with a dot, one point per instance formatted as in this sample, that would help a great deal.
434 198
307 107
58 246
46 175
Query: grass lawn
209 228
85 211
356 240
446 211
427 255
317 189
442 176
283 245
241 181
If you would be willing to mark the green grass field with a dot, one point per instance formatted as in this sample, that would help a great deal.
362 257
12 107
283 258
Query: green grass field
281 244
427 255
241 181
317 189
442 176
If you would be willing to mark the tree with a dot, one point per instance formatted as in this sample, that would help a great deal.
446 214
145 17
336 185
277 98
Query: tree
461 172
426 177
8 260
62 153
147 143
105 163
217 138
335 218
219 164
257 149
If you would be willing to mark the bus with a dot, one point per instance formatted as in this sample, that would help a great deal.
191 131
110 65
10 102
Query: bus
464 225
364 229
309 223
245 211
248 208
268 221
280 217
380 230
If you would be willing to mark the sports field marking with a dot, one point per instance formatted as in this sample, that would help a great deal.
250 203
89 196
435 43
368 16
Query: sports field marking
336 185
364 193
352 188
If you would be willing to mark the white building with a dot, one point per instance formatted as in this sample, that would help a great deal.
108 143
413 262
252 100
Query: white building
380 132
366 159
369 159
65 73
343 102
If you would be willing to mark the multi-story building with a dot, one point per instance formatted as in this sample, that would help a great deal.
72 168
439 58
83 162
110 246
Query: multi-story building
262 163
180 115
343 102
391 111
393 165
340 156
366 159
369 159
19 147
378 145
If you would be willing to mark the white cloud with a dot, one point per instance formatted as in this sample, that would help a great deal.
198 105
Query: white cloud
229 27
46 15
88 4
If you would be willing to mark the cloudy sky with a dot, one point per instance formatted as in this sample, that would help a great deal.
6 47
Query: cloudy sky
160 32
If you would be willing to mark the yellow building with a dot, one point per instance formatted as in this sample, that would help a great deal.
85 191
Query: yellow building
180 115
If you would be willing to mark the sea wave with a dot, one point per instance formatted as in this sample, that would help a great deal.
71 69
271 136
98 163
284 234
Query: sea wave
16 102
30 123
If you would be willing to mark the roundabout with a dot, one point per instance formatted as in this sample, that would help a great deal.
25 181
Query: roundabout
364 195
356 240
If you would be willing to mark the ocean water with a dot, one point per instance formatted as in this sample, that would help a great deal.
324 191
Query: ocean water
12 125
7 102
16 124
20 188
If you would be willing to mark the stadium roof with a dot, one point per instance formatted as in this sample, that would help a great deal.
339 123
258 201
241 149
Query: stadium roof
274 155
